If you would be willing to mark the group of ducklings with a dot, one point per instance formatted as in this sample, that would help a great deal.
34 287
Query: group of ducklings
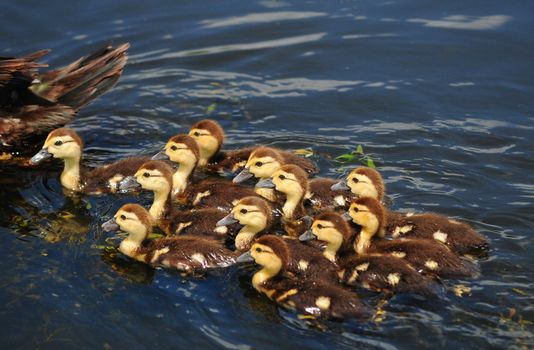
316 240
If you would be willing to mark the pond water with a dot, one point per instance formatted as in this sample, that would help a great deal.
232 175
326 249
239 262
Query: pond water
438 95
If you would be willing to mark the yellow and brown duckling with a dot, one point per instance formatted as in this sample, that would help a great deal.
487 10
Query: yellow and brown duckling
378 272
67 145
307 296
459 237
32 103
255 214
185 253
422 251
362 182
292 182
210 137
156 176
210 192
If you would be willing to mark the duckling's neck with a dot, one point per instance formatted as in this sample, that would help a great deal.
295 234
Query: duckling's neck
331 250
162 205
263 276
267 193
292 206
70 177
363 242
131 243
205 155
180 177
245 236
367 191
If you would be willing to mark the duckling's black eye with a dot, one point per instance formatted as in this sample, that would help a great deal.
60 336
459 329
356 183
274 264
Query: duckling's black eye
196 134
174 148
355 180
281 177
319 226
355 209
258 250
58 143
146 174
258 164
243 211
123 217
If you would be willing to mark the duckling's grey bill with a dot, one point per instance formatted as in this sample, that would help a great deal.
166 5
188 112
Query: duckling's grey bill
128 184
244 175
245 257
110 225
340 186
40 156
161 155
265 183
307 236
227 220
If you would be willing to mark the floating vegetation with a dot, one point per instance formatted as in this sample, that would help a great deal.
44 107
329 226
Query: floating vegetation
211 108
304 152
356 156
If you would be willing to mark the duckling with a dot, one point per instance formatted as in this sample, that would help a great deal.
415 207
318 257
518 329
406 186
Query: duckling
33 104
183 150
156 176
264 161
292 181
459 237
378 272
210 137
67 145
256 216
423 252
185 253
362 182
304 295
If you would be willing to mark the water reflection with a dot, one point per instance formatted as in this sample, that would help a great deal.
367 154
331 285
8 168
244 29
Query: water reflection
465 22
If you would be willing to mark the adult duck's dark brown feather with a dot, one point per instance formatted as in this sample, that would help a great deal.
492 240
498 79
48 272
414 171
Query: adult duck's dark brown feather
33 104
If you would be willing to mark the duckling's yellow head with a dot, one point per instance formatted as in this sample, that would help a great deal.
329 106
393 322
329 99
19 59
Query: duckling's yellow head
290 180
264 161
134 219
61 143
182 149
271 252
254 212
366 182
368 213
331 228
209 136
155 176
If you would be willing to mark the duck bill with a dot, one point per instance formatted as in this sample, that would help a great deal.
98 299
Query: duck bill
129 184
40 156
340 186
244 175
245 257
110 225
265 183
307 236
227 220
161 155
346 217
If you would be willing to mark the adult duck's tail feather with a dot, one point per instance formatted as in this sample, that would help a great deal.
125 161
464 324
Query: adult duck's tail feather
83 80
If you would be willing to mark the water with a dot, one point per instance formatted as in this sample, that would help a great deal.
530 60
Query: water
440 97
